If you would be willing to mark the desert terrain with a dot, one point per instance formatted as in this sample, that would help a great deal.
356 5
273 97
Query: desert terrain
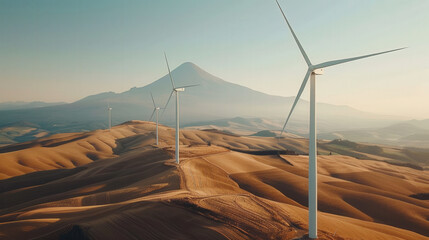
118 184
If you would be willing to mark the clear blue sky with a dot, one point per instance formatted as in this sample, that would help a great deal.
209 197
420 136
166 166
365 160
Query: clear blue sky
54 50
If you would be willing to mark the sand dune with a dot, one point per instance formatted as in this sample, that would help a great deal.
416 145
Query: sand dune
118 185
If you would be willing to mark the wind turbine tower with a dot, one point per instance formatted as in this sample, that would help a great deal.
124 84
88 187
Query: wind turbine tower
176 90
155 111
312 71
109 109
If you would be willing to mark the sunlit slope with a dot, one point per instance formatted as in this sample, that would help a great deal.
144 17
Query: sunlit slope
133 189
69 150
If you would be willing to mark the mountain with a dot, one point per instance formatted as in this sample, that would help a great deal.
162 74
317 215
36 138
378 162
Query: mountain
27 105
213 99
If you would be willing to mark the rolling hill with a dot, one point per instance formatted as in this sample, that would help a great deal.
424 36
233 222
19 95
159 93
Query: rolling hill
117 185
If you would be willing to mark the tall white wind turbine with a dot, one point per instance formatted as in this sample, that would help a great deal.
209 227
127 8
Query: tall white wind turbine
176 90
109 110
312 71
155 111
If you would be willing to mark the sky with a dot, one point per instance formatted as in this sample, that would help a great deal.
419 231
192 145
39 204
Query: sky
65 50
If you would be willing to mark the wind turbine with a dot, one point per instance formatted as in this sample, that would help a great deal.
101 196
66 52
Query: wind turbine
175 90
312 71
109 109
155 110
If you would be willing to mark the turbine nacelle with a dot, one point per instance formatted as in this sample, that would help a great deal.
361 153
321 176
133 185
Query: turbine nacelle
318 71
179 89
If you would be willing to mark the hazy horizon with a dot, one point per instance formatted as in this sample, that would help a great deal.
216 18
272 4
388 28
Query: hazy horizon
64 51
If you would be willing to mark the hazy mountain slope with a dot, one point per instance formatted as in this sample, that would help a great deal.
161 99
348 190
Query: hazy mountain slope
409 133
420 123
27 105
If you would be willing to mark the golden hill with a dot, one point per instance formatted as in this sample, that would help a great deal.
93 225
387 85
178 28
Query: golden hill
117 185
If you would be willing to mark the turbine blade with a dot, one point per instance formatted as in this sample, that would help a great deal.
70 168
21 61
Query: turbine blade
153 100
169 73
171 94
301 89
193 85
307 60
340 61
151 116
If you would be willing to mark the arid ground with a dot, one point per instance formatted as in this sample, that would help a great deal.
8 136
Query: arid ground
118 185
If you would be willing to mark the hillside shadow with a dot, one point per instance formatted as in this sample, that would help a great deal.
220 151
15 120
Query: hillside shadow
43 143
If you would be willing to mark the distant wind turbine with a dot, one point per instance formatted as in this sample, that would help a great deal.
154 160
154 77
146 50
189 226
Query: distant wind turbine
176 90
312 71
155 111
109 109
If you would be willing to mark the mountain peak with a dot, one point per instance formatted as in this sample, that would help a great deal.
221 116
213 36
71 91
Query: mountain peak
190 73
190 67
